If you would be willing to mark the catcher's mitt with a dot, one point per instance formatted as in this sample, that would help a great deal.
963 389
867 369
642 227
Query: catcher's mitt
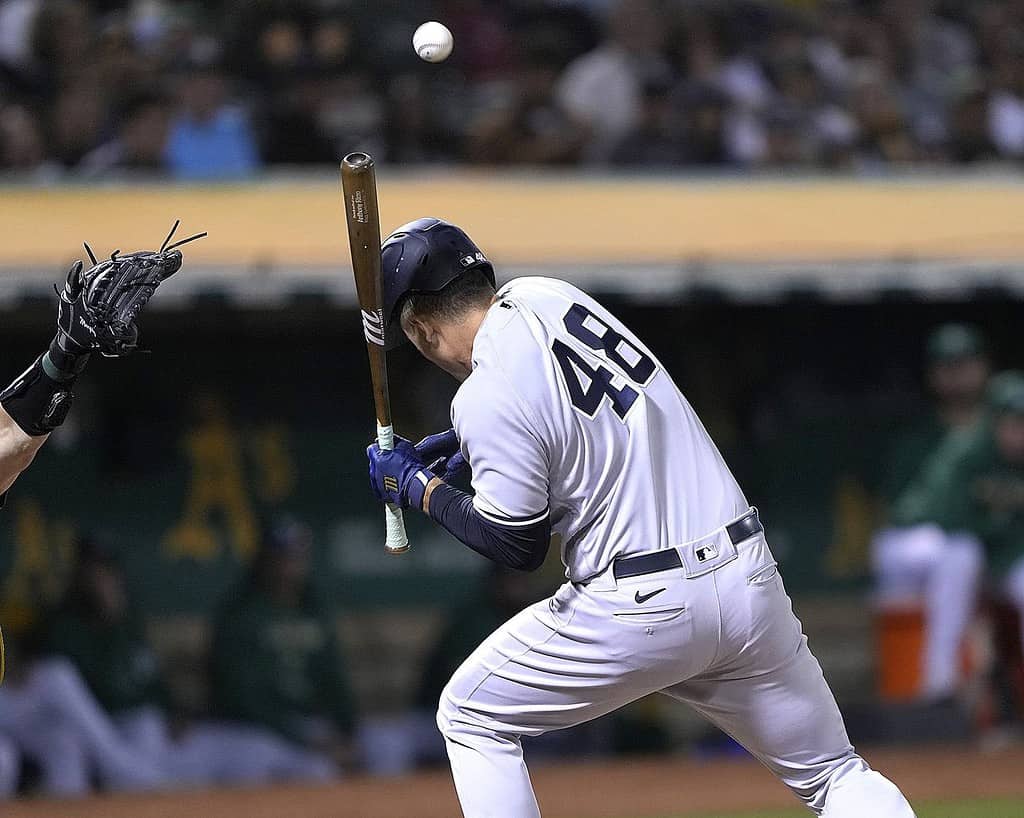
98 306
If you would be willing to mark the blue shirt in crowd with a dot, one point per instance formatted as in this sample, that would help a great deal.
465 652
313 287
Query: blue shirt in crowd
219 148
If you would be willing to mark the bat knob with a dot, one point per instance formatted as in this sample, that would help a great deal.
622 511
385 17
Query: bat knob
358 159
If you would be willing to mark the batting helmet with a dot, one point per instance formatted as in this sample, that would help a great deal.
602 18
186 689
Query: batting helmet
424 256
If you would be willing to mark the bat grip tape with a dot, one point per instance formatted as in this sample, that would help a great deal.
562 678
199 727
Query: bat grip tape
397 541
386 437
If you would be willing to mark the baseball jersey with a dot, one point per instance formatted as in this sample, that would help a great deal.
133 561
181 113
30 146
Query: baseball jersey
567 413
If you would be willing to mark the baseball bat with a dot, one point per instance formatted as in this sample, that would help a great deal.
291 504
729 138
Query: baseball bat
359 183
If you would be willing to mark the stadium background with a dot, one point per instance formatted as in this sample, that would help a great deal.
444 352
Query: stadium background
789 291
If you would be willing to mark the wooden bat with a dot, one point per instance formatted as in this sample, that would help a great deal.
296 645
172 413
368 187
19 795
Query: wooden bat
359 183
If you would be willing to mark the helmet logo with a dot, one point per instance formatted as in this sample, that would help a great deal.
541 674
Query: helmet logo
470 259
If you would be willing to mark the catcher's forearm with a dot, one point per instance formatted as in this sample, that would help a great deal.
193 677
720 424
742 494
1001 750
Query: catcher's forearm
39 399
16 450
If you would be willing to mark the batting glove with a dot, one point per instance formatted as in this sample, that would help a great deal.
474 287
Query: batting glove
441 451
451 468
398 475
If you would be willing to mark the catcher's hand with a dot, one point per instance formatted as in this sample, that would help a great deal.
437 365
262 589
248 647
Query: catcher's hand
98 306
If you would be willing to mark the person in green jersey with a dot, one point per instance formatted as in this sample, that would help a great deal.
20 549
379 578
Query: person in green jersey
957 371
913 557
99 634
977 488
276 660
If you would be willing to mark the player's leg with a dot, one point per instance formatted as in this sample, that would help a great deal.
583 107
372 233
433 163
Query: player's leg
900 559
223 753
63 762
951 594
559 663
67 700
28 722
788 719
146 728
767 690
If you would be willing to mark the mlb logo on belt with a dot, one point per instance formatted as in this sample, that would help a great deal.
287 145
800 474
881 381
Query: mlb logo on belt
706 552
390 483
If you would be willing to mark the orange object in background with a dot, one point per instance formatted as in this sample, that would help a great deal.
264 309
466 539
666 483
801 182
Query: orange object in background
899 636
900 640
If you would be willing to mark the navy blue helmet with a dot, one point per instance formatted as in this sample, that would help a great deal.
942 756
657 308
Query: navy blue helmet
424 256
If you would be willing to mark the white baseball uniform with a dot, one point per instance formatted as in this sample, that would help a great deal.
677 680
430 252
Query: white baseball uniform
567 413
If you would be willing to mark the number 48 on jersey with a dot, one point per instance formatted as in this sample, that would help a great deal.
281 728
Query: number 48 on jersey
589 385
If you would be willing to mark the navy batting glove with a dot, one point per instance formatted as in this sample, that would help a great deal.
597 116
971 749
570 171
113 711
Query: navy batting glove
449 468
398 476
441 451
435 447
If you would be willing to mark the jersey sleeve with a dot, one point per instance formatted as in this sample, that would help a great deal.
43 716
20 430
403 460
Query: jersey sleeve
508 457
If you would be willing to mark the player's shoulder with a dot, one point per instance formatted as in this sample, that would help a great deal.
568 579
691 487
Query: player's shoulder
539 290
504 348
549 298
491 396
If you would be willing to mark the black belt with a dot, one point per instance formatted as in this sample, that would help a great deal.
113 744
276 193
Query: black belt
745 527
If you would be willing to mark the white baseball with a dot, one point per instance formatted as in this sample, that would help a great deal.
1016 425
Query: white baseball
433 42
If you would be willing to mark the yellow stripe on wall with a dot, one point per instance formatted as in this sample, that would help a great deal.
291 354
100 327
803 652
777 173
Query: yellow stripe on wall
533 221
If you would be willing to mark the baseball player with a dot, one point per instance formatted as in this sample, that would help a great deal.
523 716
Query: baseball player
972 489
576 434
912 555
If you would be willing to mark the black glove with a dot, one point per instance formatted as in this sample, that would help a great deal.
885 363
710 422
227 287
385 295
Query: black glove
97 312
98 306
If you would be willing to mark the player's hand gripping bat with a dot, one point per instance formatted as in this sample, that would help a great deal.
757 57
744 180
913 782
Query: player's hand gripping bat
359 183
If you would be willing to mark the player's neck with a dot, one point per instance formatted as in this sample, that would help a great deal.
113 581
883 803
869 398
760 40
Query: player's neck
463 337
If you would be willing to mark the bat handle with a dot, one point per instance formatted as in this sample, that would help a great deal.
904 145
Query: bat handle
396 541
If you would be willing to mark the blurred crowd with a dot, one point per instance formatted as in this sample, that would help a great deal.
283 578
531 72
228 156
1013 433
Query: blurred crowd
952 544
218 90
